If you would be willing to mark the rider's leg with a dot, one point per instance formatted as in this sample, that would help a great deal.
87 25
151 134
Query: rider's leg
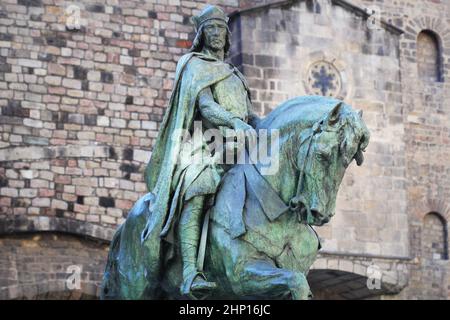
189 229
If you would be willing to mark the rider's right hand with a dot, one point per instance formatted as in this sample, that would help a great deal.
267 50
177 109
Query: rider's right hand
238 124
250 132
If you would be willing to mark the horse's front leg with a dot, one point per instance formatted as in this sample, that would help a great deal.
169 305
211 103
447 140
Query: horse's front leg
262 279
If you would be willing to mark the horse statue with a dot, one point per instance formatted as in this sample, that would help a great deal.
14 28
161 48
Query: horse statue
260 243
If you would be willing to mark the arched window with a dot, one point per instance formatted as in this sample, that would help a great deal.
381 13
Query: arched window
429 60
434 237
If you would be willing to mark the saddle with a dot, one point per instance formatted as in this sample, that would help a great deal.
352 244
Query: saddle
238 184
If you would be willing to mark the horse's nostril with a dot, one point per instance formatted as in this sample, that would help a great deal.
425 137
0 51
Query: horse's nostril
315 213
319 218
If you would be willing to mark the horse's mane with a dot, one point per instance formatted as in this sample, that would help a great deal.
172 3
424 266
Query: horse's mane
297 114
303 111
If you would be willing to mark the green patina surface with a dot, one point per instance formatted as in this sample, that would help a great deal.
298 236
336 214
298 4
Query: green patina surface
260 243
251 253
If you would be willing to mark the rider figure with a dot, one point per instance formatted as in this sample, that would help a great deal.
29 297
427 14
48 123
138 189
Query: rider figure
225 104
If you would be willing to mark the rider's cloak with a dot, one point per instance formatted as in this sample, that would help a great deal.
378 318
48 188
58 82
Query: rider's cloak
194 73
140 257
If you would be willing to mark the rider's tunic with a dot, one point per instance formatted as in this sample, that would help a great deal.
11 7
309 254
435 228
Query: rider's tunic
232 95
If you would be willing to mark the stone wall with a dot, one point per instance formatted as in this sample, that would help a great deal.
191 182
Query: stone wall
44 266
83 87
345 276
407 161
426 115
279 45
81 107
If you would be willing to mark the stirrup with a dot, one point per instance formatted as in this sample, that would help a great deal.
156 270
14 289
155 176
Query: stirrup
190 288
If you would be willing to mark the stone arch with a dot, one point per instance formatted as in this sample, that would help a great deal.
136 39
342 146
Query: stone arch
340 276
61 242
23 223
429 56
338 285
431 25
51 290
429 244
434 237
50 265
421 208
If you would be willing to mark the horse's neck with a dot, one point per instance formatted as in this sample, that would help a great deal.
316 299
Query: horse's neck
284 179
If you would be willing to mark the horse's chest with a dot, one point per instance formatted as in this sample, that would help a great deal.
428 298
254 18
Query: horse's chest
291 244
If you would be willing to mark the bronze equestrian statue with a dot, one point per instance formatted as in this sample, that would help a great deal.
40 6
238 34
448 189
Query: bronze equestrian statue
213 230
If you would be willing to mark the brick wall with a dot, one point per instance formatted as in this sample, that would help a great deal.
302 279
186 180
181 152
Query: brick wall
79 113
426 114
80 108
42 266
410 124
278 46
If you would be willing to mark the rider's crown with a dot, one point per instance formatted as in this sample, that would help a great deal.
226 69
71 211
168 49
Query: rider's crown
209 13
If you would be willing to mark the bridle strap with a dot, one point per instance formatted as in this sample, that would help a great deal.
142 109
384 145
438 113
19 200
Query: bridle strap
298 199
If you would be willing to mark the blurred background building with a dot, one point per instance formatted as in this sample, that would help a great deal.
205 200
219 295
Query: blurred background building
84 86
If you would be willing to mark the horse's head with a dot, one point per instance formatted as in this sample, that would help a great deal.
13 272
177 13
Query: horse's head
324 152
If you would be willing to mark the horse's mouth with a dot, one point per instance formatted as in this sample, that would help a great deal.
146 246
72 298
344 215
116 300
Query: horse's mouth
319 219
311 216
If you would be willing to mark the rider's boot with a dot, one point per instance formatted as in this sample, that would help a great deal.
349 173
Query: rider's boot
194 282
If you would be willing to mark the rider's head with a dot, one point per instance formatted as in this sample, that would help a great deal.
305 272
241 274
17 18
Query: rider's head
212 30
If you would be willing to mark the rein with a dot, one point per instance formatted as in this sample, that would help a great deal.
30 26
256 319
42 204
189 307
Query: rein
298 203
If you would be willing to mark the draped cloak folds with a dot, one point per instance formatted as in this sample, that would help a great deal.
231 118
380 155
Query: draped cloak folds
194 73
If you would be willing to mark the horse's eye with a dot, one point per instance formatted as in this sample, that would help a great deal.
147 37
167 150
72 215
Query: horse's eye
322 155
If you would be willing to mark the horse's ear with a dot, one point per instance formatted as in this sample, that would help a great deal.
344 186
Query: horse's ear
333 116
